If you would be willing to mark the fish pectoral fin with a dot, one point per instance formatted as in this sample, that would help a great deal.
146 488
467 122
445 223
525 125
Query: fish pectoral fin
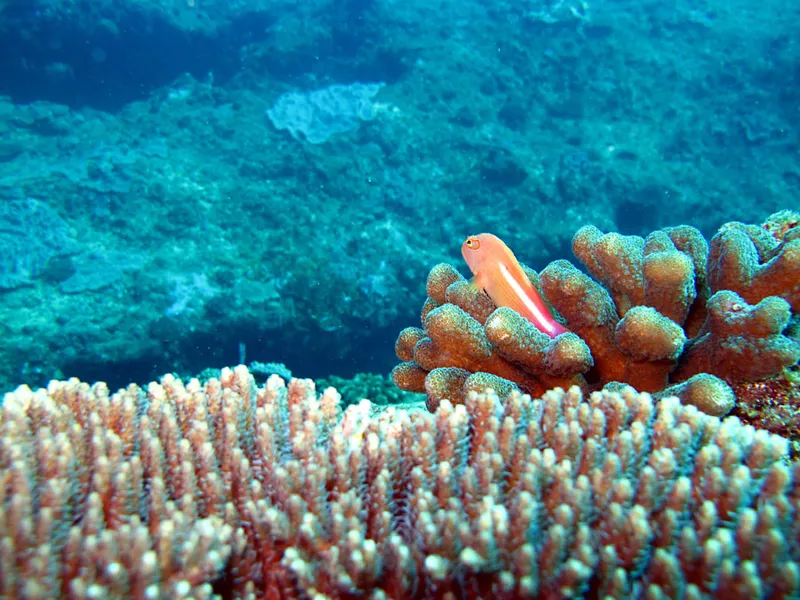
479 282
473 283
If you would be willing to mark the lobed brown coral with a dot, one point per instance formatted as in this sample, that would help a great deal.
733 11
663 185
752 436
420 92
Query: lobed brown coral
667 314
229 490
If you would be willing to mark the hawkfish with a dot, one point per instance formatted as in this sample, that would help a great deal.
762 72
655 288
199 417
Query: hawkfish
498 273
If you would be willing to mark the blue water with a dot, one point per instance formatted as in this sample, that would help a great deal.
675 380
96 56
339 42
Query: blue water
190 184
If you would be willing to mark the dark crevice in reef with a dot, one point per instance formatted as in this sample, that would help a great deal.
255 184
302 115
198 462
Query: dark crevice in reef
106 63
84 57
308 354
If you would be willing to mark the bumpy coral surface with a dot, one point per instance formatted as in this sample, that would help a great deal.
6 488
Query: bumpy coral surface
774 405
229 490
667 314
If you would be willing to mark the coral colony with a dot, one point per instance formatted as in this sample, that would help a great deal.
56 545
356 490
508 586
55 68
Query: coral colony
590 464
669 315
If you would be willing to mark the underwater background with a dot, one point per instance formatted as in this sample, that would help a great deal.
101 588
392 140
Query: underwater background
242 358
193 183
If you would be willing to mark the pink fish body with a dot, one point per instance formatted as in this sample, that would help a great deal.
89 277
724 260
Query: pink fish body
498 272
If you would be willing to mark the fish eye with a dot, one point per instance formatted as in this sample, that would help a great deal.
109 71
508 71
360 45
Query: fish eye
473 243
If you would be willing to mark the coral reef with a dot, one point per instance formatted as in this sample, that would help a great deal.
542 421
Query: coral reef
91 131
229 490
774 405
378 389
666 314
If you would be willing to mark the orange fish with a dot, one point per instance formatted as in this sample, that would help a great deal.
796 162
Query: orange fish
498 273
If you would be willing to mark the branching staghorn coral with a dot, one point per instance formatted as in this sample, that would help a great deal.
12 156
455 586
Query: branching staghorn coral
96 502
669 314
242 492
